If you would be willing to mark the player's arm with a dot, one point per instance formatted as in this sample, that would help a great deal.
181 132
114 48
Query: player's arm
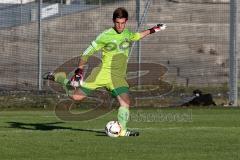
92 48
81 64
158 27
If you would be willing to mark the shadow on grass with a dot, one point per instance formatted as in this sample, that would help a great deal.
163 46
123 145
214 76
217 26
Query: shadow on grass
50 126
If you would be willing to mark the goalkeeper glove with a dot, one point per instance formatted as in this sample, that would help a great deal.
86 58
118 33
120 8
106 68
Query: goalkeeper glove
158 27
77 78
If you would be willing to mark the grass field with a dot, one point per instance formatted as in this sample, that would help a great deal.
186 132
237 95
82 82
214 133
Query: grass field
176 134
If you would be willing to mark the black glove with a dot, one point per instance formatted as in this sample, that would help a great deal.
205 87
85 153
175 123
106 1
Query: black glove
158 27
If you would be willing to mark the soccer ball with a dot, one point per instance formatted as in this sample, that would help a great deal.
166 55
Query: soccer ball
113 129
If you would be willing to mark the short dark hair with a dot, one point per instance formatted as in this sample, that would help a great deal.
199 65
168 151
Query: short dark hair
120 13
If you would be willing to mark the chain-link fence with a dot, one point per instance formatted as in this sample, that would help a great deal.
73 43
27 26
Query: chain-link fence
193 53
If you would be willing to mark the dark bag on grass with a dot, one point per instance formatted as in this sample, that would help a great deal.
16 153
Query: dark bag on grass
200 99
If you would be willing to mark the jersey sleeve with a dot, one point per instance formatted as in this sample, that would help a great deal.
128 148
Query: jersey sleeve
95 46
135 36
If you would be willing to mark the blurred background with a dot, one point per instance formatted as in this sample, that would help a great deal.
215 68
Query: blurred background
192 53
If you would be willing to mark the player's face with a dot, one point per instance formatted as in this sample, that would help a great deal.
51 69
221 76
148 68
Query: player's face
119 24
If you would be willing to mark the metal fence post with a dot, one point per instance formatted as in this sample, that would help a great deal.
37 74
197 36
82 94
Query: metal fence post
233 51
138 18
40 45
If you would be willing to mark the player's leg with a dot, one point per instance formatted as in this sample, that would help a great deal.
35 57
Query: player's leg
91 83
78 95
123 114
61 78
123 110
119 89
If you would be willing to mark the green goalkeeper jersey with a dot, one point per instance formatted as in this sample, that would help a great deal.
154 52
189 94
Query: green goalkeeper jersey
115 50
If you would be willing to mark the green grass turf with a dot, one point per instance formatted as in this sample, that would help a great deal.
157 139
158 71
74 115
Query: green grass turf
179 134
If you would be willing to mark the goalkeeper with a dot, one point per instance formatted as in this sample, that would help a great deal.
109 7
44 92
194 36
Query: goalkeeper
115 44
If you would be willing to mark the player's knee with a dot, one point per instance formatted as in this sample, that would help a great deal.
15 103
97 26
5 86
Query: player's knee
128 103
125 102
78 97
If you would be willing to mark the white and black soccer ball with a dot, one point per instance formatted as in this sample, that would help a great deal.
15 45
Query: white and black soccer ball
113 129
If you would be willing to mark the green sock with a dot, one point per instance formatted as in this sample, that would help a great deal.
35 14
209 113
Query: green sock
123 115
61 78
